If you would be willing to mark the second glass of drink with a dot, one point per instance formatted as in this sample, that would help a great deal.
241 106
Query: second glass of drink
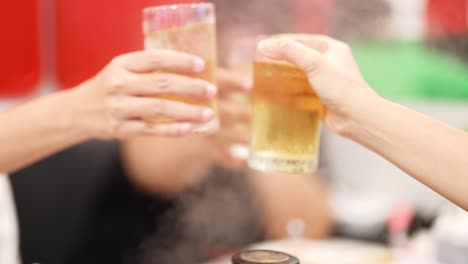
286 119
189 28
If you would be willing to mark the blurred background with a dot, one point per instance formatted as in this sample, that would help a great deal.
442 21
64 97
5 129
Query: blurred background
413 52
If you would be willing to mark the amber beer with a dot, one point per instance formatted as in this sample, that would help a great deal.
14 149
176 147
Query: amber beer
188 28
286 120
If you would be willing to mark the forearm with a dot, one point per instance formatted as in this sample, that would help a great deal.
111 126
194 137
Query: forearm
282 198
34 130
431 152
167 166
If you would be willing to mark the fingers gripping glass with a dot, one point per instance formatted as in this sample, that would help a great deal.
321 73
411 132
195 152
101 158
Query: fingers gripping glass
189 28
286 119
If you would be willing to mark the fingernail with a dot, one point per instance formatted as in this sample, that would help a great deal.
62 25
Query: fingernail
265 46
185 128
198 65
207 114
247 85
211 90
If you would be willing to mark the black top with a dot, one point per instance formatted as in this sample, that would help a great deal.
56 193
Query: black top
214 218
79 207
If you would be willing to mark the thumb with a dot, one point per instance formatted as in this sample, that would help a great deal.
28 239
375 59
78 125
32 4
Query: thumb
306 58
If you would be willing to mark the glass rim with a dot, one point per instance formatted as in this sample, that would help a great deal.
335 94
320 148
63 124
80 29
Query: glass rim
158 8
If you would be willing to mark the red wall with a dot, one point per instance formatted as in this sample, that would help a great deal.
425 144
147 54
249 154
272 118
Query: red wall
19 48
447 17
91 32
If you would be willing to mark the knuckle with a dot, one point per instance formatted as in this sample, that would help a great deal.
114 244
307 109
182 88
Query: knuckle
155 59
144 129
158 107
116 60
112 108
151 129
117 82
284 43
164 130
163 82
114 128
313 66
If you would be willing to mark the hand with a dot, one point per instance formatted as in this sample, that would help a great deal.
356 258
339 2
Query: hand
153 163
119 101
331 70
235 119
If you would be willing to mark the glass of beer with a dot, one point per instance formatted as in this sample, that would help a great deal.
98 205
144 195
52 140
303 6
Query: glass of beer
189 28
286 119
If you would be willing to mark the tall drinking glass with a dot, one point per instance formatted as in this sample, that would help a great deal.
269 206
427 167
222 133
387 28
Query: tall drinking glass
286 119
189 28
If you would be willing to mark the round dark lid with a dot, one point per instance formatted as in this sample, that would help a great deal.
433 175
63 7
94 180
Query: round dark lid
263 257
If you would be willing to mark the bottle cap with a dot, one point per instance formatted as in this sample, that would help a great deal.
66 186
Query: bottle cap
263 257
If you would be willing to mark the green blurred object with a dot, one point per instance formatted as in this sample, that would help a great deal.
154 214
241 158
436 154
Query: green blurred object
412 70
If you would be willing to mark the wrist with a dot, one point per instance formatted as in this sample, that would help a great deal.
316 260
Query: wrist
362 116
74 115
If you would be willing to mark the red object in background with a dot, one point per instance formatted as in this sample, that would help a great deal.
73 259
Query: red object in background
19 48
399 223
90 33
447 17
400 218
313 15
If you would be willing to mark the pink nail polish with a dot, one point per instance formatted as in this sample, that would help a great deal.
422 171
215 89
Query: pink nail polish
207 114
264 46
247 85
267 47
211 90
185 128
198 65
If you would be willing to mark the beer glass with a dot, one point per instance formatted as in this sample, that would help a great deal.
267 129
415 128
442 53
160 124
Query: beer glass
286 119
189 28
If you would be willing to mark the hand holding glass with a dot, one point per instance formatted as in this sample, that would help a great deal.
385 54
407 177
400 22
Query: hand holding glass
187 28
286 119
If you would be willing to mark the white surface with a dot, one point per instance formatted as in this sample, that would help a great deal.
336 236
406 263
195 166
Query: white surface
9 241
452 226
365 186
9 253
332 251
408 18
